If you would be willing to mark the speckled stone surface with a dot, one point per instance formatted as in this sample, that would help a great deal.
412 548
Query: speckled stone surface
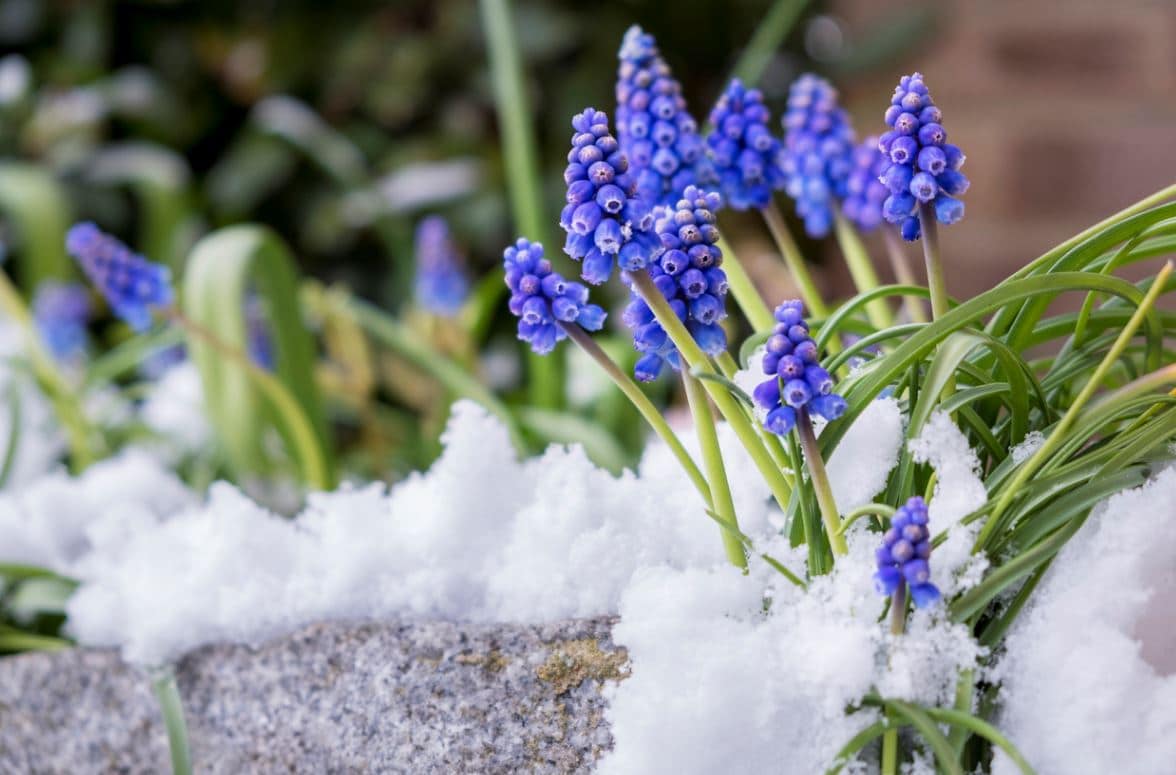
404 697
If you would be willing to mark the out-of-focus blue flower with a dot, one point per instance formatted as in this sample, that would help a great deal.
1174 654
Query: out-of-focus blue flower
605 221
441 286
257 336
61 311
743 150
655 130
904 554
817 153
923 167
542 299
131 284
864 192
796 380
687 273
160 360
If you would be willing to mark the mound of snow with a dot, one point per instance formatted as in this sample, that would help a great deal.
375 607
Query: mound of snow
1089 678
721 685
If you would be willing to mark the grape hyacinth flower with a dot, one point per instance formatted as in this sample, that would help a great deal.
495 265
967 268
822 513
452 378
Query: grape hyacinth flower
903 556
687 273
544 301
131 284
742 148
61 311
441 287
796 380
259 344
816 156
923 169
864 192
605 222
655 130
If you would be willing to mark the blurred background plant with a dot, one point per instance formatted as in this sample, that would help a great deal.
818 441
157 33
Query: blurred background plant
341 129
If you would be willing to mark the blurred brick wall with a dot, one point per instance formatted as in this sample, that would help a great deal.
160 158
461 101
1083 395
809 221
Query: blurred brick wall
1066 110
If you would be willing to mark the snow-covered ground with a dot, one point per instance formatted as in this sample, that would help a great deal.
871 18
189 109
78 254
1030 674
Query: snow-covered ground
720 681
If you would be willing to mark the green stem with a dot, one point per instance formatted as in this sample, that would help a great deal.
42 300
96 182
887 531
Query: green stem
870 509
903 274
963 703
936 281
890 748
643 405
820 480
794 260
65 402
729 367
393 335
1057 435
727 405
520 164
308 450
861 269
747 296
163 684
898 609
712 460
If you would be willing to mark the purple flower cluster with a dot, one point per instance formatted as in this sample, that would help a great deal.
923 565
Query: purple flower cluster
655 130
61 311
687 273
605 222
542 299
864 192
742 148
903 556
132 285
816 157
441 287
924 168
797 382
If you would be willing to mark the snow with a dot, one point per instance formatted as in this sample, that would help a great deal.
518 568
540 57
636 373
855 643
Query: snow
1089 678
174 410
481 536
767 691
65 523
1030 444
862 461
959 491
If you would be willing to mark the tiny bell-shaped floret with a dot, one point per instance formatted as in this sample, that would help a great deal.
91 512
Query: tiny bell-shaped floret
654 128
922 168
904 555
687 273
743 151
606 223
61 311
817 154
796 381
441 286
132 285
542 300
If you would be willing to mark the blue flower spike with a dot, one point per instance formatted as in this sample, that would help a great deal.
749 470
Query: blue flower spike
743 150
923 168
132 285
61 311
687 273
797 382
864 191
441 286
904 555
654 128
817 154
542 300
606 223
